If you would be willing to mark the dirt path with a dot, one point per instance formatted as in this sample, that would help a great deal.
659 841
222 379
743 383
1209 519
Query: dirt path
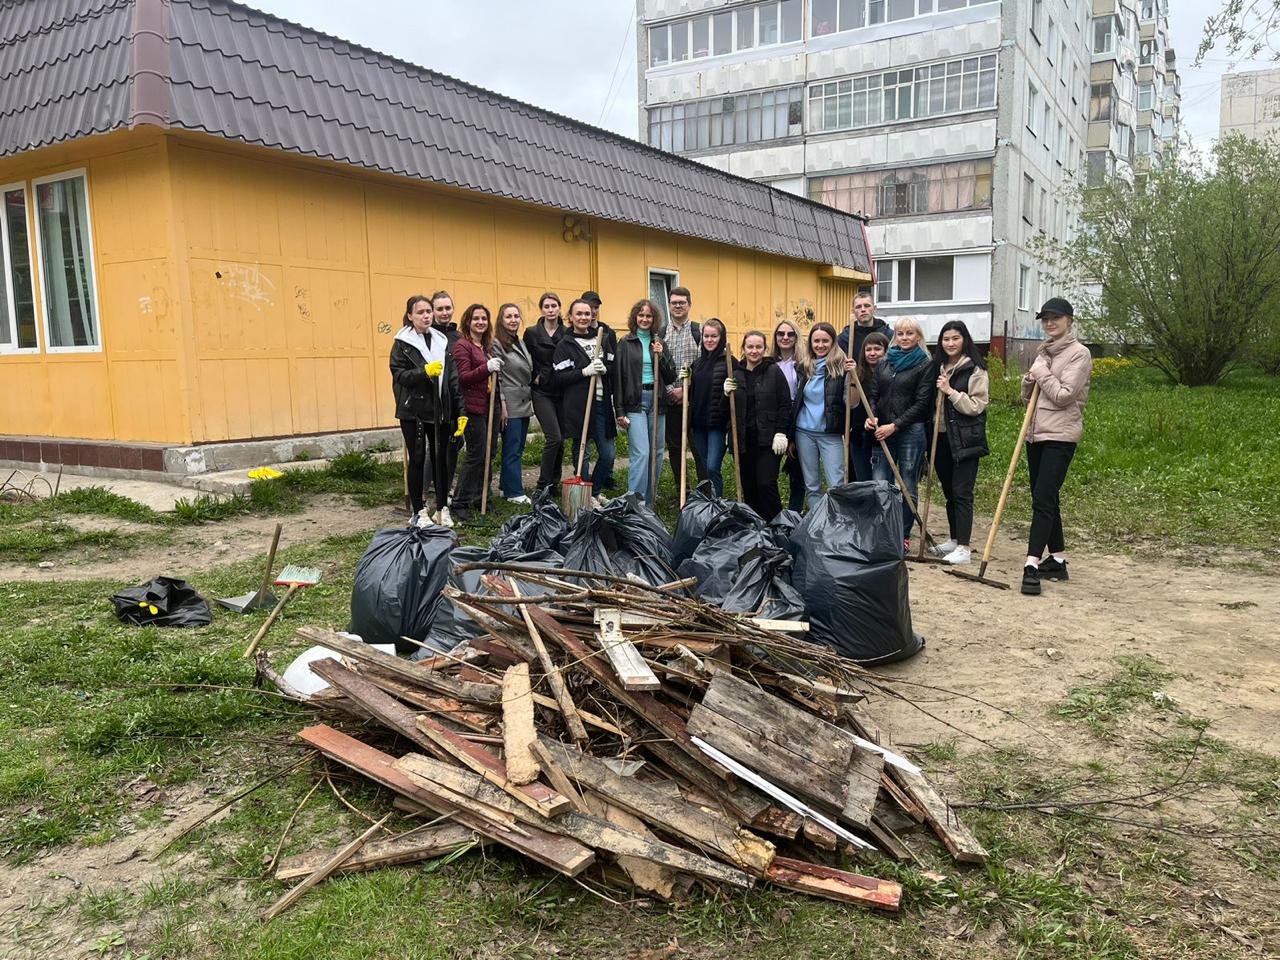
187 550
1218 630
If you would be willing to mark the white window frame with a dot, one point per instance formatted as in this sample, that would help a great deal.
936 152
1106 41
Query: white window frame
1033 107
1024 287
83 173
7 259
673 277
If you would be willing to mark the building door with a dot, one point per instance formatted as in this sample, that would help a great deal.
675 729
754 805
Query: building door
660 284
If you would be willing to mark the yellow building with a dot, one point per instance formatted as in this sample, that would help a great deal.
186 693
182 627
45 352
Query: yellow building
212 220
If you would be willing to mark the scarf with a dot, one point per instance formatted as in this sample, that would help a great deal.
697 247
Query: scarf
904 360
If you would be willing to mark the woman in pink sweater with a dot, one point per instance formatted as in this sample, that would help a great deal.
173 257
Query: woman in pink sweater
1062 369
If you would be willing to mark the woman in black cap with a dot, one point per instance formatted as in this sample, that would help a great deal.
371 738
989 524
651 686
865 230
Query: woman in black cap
1062 370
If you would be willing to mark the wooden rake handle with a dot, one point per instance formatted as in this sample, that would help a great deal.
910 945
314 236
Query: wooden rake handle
591 399
271 618
488 445
1008 479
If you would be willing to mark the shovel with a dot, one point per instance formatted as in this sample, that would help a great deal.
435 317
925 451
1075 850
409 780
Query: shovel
980 576
575 493
262 598
295 578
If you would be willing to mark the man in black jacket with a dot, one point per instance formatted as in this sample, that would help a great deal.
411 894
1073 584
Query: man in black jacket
864 322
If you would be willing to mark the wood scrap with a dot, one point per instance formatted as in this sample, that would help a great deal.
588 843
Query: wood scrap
820 881
518 732
633 673
415 847
323 871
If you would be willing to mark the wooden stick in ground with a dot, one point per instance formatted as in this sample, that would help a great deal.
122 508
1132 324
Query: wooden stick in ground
1004 497
893 464
271 562
932 468
271 618
684 441
330 865
488 445
655 453
733 420
848 419
567 709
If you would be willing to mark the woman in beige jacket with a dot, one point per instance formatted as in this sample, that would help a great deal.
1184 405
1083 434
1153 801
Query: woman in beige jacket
962 432
1062 369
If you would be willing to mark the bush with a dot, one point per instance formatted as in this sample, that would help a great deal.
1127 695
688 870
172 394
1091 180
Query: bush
355 465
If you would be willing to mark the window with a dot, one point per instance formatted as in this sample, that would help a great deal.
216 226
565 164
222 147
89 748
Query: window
1028 198
932 188
1101 166
680 41
1051 41
791 19
1104 34
717 34
833 16
1064 58
1146 51
17 299
660 284
1048 124
1024 287
701 37
1124 141
722 33
884 281
1044 210
767 23
1144 142
1033 106
928 91
745 18
1146 96
1101 97
1037 17
1148 11
935 278
1071 152
724 121
922 280
64 241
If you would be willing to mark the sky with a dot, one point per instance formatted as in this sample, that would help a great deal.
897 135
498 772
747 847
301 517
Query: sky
578 57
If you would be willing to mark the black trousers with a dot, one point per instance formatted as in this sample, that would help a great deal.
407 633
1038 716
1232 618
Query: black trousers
1047 462
471 476
421 442
957 478
547 411
760 479
675 447
795 499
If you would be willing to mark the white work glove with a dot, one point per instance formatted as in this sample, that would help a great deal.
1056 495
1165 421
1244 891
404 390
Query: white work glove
684 373
730 385
779 444
594 369
495 364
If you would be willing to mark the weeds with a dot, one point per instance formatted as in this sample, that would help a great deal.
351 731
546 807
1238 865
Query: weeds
1102 705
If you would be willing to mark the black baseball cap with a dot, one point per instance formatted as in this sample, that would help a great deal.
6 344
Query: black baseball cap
1056 305
592 298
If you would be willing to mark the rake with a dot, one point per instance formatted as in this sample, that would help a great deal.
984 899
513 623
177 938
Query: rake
295 578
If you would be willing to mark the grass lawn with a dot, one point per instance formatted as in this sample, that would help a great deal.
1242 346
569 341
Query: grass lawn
95 712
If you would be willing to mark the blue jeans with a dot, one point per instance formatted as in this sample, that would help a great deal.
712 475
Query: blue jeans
820 453
907 447
605 450
710 444
511 479
638 437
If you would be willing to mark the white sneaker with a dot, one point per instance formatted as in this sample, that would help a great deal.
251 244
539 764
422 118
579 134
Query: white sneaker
522 499
445 520
420 519
957 556
942 549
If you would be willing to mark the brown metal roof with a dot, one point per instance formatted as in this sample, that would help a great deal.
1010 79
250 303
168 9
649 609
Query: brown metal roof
72 68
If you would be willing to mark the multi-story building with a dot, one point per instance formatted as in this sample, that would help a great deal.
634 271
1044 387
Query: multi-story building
1251 104
957 126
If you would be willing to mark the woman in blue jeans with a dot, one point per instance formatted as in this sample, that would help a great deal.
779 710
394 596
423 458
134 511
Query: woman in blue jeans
516 378
819 410
709 407
902 395
645 370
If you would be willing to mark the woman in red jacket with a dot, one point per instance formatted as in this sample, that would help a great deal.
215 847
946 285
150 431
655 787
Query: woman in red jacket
472 356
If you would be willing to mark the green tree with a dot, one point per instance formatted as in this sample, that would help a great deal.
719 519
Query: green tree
1184 264
1249 27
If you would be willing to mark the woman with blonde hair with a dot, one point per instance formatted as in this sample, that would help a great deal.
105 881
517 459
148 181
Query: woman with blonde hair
902 394
785 351
819 410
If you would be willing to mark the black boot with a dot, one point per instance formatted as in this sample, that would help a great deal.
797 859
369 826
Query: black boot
1051 569
1030 581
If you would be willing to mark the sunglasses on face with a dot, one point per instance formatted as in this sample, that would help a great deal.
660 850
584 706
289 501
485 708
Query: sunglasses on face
784 333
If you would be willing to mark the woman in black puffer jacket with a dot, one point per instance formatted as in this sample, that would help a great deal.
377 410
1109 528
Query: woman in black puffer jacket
902 395
764 423
709 387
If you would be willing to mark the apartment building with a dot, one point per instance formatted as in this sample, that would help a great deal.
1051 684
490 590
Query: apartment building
1251 104
957 126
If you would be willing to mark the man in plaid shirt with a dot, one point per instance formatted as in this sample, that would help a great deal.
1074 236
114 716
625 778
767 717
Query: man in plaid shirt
684 341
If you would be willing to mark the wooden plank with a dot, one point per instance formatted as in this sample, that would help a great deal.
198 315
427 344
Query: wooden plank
403 669
465 715
785 744
559 779
518 731
887 840
632 671
960 843
565 702
708 831
780 626
560 853
863 784
418 846
819 836
592 831
647 876
901 798
384 708
323 871
780 822
832 884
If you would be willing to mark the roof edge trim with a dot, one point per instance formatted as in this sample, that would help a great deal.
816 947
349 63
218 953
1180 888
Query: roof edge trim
150 102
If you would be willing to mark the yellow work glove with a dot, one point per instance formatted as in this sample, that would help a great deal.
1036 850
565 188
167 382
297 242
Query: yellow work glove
434 369
462 425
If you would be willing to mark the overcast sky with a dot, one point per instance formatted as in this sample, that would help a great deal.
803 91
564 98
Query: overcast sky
579 58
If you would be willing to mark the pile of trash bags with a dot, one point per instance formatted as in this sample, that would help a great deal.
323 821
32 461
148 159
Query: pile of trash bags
841 567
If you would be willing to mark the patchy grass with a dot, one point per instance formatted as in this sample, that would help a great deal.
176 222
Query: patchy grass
41 539
1101 705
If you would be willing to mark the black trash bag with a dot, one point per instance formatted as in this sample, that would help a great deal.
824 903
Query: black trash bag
783 526
164 602
850 572
397 585
763 586
544 527
624 537
704 510
717 559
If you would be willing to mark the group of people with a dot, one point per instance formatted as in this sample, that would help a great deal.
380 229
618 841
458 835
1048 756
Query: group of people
824 405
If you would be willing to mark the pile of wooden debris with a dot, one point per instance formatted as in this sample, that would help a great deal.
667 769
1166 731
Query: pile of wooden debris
625 730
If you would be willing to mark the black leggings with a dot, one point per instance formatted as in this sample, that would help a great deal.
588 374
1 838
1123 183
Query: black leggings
1047 462
420 441
547 410
957 478
675 447
471 478
760 479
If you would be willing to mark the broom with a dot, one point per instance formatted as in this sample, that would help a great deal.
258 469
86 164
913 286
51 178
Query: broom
295 578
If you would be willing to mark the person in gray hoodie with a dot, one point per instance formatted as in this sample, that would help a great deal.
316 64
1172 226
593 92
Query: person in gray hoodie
1062 369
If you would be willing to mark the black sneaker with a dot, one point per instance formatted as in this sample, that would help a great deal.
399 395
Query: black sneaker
1051 569
1030 581
462 512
